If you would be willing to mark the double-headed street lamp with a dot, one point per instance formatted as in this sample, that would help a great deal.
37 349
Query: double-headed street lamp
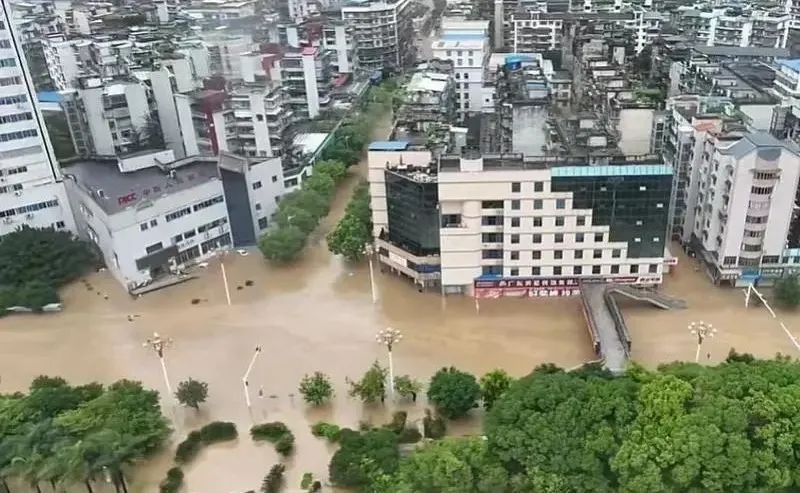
159 344
702 331
389 337
246 377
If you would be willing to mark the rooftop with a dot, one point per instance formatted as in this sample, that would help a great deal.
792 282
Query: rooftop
115 191
388 145
752 141
793 64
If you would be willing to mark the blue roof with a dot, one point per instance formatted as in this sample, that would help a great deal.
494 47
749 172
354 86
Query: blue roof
793 64
388 145
612 170
49 97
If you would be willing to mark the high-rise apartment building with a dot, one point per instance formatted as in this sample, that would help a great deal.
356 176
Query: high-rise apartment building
384 32
31 191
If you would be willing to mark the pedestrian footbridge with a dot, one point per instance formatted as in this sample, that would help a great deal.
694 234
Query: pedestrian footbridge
607 327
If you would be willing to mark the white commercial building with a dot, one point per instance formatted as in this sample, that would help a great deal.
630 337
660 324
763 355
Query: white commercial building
507 225
150 217
466 44
745 226
31 191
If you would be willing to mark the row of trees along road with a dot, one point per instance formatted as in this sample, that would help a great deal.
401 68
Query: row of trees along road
300 212
683 428
65 435
35 262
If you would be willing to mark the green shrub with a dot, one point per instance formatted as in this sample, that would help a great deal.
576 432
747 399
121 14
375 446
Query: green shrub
398 422
433 426
453 392
329 431
362 455
272 432
409 435
285 444
217 431
173 482
273 481
316 389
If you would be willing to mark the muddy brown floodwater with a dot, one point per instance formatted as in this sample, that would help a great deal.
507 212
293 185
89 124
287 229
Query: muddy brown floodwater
318 315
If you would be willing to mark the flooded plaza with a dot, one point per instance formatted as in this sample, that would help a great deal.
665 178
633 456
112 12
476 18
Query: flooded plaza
318 315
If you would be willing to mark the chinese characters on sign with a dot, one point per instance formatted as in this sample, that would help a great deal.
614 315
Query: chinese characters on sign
538 288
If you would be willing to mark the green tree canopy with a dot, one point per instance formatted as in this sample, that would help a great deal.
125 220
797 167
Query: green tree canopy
320 183
316 389
493 385
453 392
282 244
335 169
372 385
192 393
292 215
362 456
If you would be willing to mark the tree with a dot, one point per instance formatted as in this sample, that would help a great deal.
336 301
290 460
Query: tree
316 389
320 183
273 482
787 291
292 215
453 392
493 385
307 199
192 393
335 169
349 238
452 465
562 429
372 386
407 387
282 244
362 455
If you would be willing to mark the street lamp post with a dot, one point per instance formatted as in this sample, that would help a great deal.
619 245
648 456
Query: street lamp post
368 251
389 337
158 344
246 377
702 331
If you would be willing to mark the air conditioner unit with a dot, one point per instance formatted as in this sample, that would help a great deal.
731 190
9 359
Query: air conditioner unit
28 216
18 193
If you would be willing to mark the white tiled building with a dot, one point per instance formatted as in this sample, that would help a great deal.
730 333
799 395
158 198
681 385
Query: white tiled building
150 217
31 191
466 44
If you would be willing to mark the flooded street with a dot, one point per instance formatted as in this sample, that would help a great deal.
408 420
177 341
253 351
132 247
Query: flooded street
318 315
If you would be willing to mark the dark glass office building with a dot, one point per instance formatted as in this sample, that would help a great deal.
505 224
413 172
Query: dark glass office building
632 199
412 206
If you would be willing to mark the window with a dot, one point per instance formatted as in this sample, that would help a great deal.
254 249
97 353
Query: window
597 254
256 185
753 190
516 186
537 238
16 117
769 259
466 75
208 203
656 239
22 134
616 253
8 62
536 255
60 224
258 206
515 205
559 220
595 269
143 227
177 239
561 203
492 220
10 81
535 271
537 222
578 237
179 213
515 239
274 178
154 248
20 98
537 203
262 223
261 119
578 254
514 255
491 238
514 272
492 254
598 237
729 261
492 204
653 269
515 222
557 270
634 269
577 270
492 270
580 220
538 186
615 269
558 237
558 254
153 223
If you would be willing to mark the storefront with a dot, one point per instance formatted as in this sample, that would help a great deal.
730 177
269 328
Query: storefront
548 287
